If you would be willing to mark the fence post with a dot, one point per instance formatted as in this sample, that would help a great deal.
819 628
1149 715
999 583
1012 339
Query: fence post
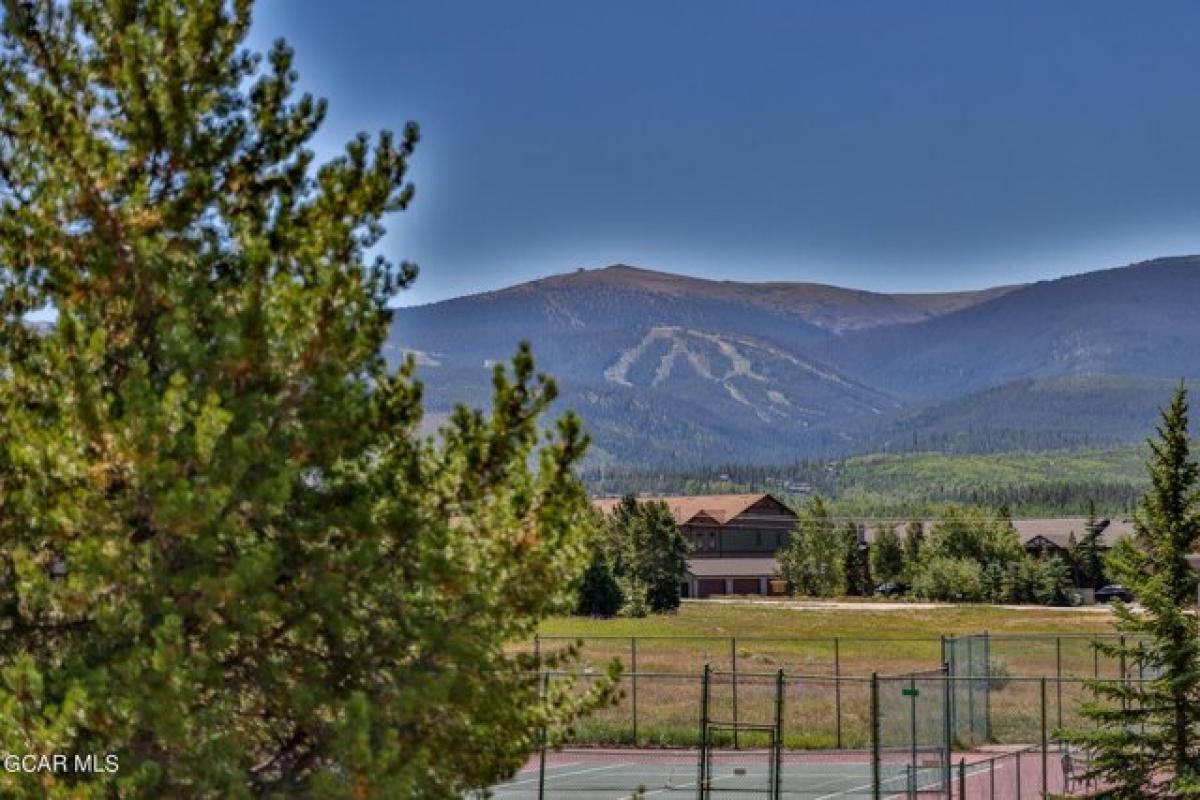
633 680
971 684
779 693
962 779
952 699
1124 682
1045 744
947 726
837 688
987 686
701 782
875 745
1058 676
1141 681
542 752
733 663
912 719
537 651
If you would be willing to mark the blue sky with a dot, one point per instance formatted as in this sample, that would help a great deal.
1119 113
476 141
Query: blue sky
896 146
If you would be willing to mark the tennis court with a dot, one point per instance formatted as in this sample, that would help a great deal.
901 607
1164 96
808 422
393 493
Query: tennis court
622 773
619 773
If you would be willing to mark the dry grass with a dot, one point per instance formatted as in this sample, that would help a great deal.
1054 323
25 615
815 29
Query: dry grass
671 651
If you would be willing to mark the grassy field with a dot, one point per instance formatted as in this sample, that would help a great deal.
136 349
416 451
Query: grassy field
789 619
828 655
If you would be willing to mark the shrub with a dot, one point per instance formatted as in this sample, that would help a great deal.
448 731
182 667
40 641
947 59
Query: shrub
944 578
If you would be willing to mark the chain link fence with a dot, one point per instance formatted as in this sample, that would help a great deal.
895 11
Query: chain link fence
912 743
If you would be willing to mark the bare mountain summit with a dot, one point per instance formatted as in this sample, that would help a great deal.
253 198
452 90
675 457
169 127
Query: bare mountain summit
672 368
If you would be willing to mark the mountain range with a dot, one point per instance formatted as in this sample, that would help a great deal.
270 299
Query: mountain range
669 369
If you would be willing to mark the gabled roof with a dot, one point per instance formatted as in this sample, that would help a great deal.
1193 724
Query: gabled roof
1053 531
1058 531
719 507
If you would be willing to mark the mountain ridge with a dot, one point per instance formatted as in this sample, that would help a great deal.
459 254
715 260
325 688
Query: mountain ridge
677 368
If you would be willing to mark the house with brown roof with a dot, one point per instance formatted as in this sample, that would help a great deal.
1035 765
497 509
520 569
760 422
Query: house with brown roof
1048 536
734 539
1054 536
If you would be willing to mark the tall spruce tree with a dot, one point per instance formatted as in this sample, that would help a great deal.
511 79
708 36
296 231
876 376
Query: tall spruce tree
1088 552
664 559
855 568
227 556
599 593
887 554
1146 743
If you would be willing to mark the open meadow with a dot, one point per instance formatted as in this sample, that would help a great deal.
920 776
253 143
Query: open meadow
828 653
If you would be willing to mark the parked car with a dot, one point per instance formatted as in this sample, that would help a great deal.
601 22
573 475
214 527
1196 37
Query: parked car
891 589
1113 592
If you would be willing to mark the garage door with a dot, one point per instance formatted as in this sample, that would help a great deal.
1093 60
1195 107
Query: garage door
745 586
710 586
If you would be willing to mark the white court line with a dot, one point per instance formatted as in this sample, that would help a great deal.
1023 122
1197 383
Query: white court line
677 788
550 766
845 792
557 775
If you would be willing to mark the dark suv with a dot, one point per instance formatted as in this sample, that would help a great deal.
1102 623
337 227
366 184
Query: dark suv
890 589
1110 593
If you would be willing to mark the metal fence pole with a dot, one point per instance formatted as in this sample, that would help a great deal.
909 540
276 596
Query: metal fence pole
962 779
1141 682
779 693
1124 684
987 686
947 727
1045 744
876 789
912 718
542 752
733 662
971 684
702 779
1058 676
837 688
633 680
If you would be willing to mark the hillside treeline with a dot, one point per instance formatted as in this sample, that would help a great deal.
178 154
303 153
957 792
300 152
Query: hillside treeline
919 484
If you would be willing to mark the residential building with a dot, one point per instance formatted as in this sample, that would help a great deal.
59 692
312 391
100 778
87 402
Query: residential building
734 539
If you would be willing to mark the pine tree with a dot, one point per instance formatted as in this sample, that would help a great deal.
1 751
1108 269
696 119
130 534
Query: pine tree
1089 554
648 554
664 558
1147 738
855 567
599 593
887 554
227 554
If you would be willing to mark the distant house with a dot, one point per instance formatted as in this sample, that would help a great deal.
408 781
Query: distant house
734 539
1042 537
